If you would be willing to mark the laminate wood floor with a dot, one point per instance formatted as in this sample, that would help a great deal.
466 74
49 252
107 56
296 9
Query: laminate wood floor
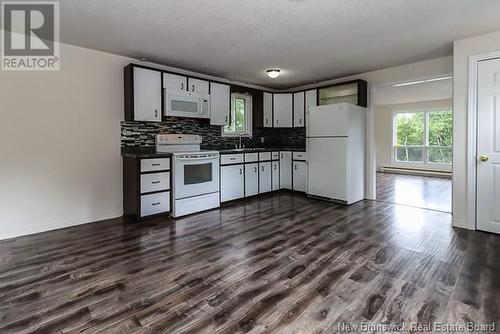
420 191
281 263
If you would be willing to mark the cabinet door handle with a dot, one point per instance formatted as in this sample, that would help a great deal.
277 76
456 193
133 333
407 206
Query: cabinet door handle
277 122
155 165
262 168
281 155
267 121
255 169
295 167
226 120
241 171
182 85
155 182
155 204
192 88
156 113
300 120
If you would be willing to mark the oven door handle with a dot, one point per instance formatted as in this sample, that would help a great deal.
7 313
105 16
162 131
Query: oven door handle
196 159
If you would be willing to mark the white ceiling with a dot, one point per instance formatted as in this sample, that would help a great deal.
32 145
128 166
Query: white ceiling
310 40
429 91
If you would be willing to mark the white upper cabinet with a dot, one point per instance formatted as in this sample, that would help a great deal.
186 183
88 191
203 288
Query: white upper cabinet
268 110
298 110
147 95
311 98
283 110
198 86
220 103
174 82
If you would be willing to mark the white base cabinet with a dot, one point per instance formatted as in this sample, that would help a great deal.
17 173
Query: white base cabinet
251 179
286 170
250 174
265 177
276 175
232 182
299 176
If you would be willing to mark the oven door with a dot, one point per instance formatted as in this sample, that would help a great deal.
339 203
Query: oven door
196 174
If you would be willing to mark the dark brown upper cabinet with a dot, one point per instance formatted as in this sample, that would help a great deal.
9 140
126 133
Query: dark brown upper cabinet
354 92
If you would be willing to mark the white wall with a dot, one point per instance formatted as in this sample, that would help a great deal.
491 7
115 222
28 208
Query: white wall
60 143
384 130
463 49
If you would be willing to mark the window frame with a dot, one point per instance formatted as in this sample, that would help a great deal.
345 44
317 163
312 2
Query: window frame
247 133
425 147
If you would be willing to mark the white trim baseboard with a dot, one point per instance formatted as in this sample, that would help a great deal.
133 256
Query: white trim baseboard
461 224
57 225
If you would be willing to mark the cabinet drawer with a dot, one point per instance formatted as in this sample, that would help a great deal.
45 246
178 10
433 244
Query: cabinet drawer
151 165
264 156
300 156
251 157
155 182
227 159
155 203
275 155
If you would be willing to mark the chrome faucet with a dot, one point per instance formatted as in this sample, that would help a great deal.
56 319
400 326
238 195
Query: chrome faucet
240 144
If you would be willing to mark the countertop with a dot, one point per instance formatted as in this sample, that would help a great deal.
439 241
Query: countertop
149 152
256 150
145 152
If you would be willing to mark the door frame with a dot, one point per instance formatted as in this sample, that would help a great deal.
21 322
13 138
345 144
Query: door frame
471 175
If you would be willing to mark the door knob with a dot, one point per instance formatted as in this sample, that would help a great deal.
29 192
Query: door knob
484 158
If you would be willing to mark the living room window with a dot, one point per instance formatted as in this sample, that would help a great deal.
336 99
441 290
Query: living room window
423 137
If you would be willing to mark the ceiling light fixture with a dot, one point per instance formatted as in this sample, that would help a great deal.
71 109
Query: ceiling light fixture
273 73
422 81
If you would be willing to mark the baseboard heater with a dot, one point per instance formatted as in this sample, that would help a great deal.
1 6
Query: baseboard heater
415 171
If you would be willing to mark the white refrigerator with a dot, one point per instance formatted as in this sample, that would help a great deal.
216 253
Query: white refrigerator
336 152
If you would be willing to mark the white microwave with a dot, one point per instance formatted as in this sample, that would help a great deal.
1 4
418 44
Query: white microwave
187 104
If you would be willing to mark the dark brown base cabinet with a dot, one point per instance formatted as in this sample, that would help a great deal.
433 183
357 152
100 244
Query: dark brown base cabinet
146 187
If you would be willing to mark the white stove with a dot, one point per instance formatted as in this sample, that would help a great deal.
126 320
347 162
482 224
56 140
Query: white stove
195 173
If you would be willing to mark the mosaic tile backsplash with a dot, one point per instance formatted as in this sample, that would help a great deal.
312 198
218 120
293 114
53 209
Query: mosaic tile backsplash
135 134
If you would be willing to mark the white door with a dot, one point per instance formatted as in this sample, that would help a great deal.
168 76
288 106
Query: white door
174 82
311 98
251 179
327 167
147 95
328 121
232 183
282 110
265 182
488 146
220 103
286 170
198 86
276 175
299 175
268 110
298 110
